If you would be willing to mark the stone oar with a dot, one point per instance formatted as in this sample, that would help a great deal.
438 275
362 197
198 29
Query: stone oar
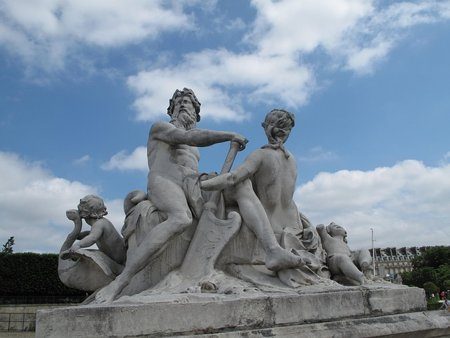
212 233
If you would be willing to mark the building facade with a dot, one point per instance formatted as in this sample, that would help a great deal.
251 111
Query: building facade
389 262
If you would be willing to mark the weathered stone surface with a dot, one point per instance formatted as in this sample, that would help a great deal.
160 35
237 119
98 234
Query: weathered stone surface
409 325
218 253
188 314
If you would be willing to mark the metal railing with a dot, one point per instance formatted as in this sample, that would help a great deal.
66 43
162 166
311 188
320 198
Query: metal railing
17 322
15 300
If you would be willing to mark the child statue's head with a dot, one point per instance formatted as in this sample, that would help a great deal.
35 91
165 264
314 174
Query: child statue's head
336 230
92 206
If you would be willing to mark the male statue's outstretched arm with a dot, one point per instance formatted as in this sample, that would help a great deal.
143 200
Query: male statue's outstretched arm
170 134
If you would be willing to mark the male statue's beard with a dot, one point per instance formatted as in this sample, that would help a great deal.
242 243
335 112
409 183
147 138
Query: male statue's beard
184 121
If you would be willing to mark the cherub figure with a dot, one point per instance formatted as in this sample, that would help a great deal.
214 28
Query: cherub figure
102 233
339 256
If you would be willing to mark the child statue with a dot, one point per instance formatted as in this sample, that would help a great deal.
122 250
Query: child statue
103 234
339 257
90 269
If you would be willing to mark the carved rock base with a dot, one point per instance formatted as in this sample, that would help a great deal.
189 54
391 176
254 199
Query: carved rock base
367 311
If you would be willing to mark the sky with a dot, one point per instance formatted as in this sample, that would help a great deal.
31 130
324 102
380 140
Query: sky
81 82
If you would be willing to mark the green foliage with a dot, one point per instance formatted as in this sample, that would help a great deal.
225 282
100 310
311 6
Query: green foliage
417 262
407 278
31 274
430 288
419 276
8 246
443 274
446 284
434 257
433 266
433 303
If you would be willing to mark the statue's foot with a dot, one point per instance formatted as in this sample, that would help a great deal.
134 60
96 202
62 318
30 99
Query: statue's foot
281 259
109 293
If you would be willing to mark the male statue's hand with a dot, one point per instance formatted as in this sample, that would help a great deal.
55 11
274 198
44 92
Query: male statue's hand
320 227
241 140
73 214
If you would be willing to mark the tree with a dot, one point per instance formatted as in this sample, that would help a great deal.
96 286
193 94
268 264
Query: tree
8 246
430 288
432 266
433 257
447 284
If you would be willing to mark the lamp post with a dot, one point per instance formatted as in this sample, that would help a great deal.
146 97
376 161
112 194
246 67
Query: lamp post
373 253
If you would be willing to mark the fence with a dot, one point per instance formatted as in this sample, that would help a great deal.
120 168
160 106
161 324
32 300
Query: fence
15 300
18 322
18 313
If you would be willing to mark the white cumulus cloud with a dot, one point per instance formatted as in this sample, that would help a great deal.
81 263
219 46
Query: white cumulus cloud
356 35
137 160
213 74
82 160
291 26
407 204
45 32
33 203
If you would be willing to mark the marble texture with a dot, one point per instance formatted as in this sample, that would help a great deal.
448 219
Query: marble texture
191 314
227 254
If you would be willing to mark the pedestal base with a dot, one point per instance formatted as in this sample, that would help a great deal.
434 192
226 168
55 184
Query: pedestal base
366 311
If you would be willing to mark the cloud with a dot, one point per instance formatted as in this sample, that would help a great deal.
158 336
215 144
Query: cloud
356 35
447 156
45 33
222 80
406 204
289 27
317 154
376 35
364 60
236 24
33 204
82 160
407 14
137 160
270 66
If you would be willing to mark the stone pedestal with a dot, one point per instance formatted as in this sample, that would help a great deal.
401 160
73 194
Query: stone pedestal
366 311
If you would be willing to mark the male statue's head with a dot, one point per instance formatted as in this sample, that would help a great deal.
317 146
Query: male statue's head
92 206
184 109
278 125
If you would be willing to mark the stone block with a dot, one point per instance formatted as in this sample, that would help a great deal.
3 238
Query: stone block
188 314
312 307
395 300
409 325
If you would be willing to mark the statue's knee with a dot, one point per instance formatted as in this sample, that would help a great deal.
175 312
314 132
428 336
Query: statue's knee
244 187
184 221
343 263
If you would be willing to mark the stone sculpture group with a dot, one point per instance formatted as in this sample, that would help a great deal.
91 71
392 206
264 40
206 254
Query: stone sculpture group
233 232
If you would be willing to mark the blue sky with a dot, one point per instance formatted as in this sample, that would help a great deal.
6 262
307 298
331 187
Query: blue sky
368 81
